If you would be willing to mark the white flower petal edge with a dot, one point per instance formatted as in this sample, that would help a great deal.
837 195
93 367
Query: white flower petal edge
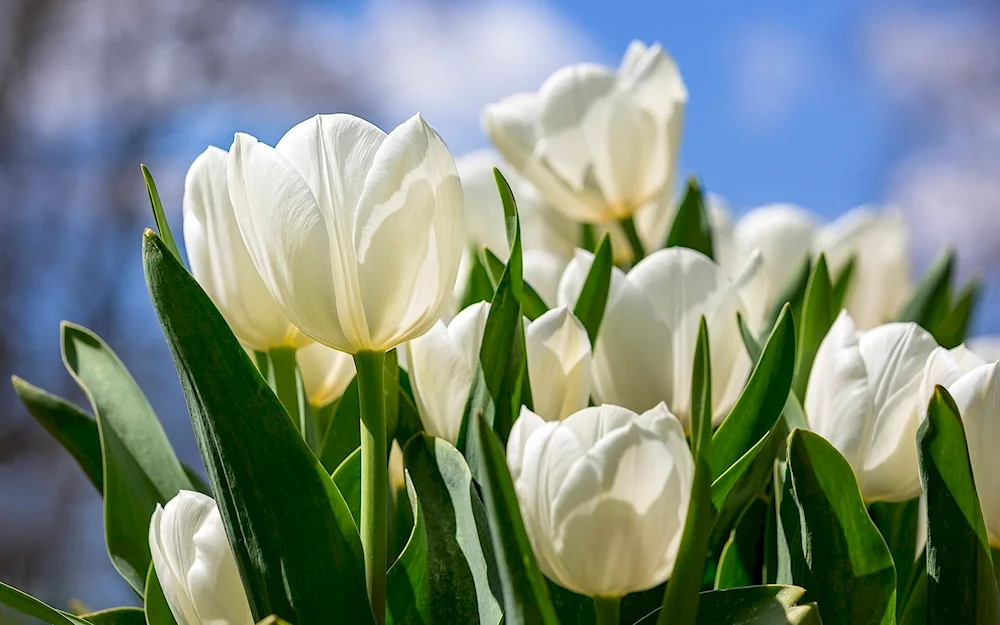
612 480
195 564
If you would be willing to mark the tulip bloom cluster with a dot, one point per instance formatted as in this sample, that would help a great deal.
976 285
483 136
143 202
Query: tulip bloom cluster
606 403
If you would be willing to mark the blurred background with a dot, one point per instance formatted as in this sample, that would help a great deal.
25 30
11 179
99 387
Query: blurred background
828 105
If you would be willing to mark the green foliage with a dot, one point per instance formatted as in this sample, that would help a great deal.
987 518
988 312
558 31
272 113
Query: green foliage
692 227
593 299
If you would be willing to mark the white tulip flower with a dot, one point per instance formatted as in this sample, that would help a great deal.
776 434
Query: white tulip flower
220 261
326 373
195 564
443 364
598 143
357 234
604 496
944 367
865 397
977 396
879 244
645 348
543 270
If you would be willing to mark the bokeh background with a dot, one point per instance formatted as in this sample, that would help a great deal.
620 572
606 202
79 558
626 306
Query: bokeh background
825 104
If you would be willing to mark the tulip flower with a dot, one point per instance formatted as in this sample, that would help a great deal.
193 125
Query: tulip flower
443 364
944 367
326 373
645 348
604 496
195 564
879 244
220 261
358 236
977 396
543 270
599 144
865 397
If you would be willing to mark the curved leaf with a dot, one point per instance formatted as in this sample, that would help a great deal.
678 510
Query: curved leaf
692 228
156 607
593 298
29 606
764 605
117 616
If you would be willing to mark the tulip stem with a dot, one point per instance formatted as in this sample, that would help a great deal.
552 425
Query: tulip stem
628 225
374 476
283 378
607 609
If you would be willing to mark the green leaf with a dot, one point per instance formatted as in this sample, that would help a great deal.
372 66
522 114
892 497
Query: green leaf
953 329
29 606
793 294
761 402
750 342
741 563
343 434
347 477
159 216
759 605
593 299
816 320
453 578
140 468
692 228
531 302
293 537
116 616
75 430
526 598
478 287
745 480
680 601
841 287
157 609
833 548
961 585
897 522
930 303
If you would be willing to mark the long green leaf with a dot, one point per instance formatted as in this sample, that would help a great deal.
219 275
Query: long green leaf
477 288
116 616
293 537
29 606
793 294
526 598
930 303
593 299
757 605
157 609
954 328
680 601
740 563
961 586
159 216
140 468
531 302
898 522
347 477
692 228
761 402
842 286
816 320
833 548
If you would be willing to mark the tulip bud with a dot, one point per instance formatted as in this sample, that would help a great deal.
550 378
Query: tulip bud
357 234
195 564
558 351
864 396
326 373
598 144
604 496
220 261
645 347
879 245
977 396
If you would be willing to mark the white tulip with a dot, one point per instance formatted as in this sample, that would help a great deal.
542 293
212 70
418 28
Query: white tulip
944 367
220 261
357 234
986 347
326 373
598 143
645 348
977 396
864 396
443 364
195 564
879 243
543 270
604 496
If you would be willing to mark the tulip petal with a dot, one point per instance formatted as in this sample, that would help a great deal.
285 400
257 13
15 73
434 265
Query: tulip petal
977 396
558 364
522 430
627 152
287 237
944 367
171 545
408 234
326 373
214 579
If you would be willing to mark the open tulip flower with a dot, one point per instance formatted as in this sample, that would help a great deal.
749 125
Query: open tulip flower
604 495
443 364
195 564
647 340
220 261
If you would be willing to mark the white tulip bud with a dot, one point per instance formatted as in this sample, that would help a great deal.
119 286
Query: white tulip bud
326 373
604 496
195 564
865 397
558 351
220 261
357 234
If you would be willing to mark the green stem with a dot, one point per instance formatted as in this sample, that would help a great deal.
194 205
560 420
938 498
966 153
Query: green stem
374 475
283 379
607 609
628 225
